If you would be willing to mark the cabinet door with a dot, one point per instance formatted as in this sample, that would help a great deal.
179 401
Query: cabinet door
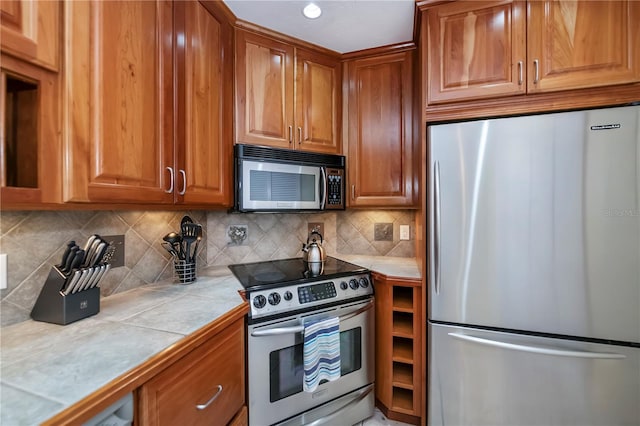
30 30
318 102
119 101
476 49
264 84
204 117
205 387
381 168
577 44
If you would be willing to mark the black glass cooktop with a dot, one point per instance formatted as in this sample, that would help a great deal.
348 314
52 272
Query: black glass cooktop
275 273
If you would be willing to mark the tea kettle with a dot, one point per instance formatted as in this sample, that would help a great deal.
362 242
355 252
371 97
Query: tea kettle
313 252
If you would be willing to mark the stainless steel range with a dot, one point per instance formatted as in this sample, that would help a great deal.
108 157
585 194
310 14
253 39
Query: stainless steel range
284 295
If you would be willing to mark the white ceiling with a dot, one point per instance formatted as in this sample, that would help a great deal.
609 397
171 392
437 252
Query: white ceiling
344 26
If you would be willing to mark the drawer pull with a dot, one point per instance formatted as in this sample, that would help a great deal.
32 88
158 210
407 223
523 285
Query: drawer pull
213 398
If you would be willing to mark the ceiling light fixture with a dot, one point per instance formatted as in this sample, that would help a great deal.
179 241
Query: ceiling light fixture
312 11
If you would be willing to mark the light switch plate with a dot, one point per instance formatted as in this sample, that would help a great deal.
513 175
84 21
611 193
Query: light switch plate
4 271
404 232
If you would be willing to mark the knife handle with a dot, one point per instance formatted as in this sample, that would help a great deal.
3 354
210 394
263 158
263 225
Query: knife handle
70 245
72 254
71 282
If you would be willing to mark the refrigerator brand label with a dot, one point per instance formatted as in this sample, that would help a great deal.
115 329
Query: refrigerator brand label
605 127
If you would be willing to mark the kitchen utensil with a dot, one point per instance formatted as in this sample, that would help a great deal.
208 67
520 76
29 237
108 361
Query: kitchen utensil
176 242
76 261
195 249
170 249
70 245
190 232
92 257
81 280
186 219
313 250
72 254
91 253
71 282
90 241
99 254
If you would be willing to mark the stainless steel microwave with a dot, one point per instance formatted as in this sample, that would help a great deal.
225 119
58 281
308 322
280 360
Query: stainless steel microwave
272 179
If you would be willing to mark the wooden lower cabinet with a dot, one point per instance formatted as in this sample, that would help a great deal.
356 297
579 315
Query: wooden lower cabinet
399 357
206 387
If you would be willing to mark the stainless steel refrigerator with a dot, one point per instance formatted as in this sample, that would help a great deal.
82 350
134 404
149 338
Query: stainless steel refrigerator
534 270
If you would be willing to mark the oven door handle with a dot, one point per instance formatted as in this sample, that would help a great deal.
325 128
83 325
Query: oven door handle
328 419
278 331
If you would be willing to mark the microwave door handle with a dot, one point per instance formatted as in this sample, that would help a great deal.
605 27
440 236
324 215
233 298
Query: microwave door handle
323 187
278 331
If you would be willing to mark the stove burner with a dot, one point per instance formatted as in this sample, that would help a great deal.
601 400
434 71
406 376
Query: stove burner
269 276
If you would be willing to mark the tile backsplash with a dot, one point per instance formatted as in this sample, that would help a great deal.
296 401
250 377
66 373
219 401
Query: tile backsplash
34 241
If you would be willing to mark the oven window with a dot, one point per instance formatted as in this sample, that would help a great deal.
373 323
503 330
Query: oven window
279 186
286 366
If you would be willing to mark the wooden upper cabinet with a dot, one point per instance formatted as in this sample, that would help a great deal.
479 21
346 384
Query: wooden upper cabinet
318 88
578 44
286 97
488 49
30 30
119 105
380 146
264 98
204 117
476 49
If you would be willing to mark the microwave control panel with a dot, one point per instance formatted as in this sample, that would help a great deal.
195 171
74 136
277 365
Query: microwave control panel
335 188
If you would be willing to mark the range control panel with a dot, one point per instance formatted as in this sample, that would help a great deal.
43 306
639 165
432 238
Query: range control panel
290 298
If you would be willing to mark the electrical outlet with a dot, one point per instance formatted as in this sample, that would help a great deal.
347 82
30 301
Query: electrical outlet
404 232
118 256
4 271
383 232
316 226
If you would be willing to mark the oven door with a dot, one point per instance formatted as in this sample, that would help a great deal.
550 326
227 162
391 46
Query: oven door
276 362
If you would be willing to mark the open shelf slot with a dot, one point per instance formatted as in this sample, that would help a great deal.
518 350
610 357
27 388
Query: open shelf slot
403 349
403 324
403 400
403 375
403 299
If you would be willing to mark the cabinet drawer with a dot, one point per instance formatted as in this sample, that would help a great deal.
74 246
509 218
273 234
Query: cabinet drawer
205 387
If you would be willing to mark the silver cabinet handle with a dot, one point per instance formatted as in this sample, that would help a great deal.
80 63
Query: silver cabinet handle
277 331
184 182
213 398
290 134
329 419
520 73
353 192
536 75
537 349
299 135
171 179
436 226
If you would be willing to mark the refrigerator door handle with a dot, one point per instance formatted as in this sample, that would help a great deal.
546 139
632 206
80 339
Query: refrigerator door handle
436 226
537 349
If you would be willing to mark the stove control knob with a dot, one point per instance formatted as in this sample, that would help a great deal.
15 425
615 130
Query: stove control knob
353 284
364 283
344 285
259 301
274 298
287 295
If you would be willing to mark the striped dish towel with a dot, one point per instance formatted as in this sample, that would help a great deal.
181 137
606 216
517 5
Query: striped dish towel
321 352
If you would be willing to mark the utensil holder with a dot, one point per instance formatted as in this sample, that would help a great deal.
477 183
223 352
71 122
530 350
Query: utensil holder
185 272
55 307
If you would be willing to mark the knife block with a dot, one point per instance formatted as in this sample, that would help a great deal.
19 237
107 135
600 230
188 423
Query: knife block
55 307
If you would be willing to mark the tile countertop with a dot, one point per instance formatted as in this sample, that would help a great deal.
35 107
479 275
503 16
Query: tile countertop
403 267
46 368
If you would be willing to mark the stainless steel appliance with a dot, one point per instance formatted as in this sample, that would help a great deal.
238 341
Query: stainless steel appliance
534 269
271 179
283 295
